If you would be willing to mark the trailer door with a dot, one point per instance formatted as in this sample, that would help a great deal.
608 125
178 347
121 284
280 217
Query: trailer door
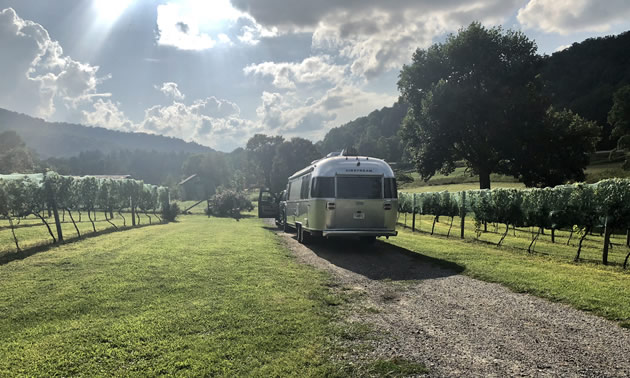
267 204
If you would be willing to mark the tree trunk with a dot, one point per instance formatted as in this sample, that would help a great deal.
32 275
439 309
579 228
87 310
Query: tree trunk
90 218
484 178
553 235
570 236
133 215
507 228
75 225
57 221
110 222
625 262
157 216
433 228
13 232
449 229
47 226
577 256
628 237
79 211
111 213
532 245
123 218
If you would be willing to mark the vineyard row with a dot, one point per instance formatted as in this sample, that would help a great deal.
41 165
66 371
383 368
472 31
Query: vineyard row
35 194
605 204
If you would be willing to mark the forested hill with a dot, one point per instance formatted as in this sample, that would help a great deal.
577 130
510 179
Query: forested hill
375 135
584 76
50 139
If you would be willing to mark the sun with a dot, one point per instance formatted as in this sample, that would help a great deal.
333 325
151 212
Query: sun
110 10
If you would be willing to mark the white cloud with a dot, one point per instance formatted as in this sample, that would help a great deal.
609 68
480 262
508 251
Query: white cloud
375 36
108 115
178 28
315 69
36 73
171 90
569 16
289 115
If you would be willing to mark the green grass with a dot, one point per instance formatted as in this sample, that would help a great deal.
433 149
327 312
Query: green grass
31 232
189 298
588 286
591 248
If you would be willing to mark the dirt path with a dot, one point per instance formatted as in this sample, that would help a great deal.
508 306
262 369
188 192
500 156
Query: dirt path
459 326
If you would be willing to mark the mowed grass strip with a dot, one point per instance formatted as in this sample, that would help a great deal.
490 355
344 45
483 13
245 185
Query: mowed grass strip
198 297
585 286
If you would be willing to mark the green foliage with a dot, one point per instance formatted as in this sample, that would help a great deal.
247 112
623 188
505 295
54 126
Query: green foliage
170 212
540 162
14 155
619 114
582 205
374 135
584 77
230 203
490 77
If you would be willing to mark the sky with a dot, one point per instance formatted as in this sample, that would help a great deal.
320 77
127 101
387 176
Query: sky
219 71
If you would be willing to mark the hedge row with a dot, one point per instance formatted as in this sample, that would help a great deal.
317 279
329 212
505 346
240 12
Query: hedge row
24 195
585 206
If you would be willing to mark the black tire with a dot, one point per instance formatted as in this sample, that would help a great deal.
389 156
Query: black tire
285 226
298 228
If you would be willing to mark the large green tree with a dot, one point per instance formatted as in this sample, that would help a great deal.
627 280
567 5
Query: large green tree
15 157
290 157
619 114
261 150
470 99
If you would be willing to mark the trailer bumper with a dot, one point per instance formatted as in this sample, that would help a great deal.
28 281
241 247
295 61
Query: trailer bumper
327 233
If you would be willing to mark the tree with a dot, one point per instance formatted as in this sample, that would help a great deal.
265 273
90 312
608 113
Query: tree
14 155
261 151
557 152
469 98
619 114
290 157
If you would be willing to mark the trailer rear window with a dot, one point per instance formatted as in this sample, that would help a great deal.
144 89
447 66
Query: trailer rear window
323 187
359 187
391 191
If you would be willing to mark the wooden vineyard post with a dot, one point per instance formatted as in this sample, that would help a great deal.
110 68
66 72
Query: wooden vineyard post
208 207
413 211
607 232
133 212
462 215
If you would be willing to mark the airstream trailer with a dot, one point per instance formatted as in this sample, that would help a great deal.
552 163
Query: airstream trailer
342 196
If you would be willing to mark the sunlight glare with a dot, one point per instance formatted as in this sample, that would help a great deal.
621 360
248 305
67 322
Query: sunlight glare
110 10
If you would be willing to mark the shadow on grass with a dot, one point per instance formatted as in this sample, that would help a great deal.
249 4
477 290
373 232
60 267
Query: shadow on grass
379 260
43 247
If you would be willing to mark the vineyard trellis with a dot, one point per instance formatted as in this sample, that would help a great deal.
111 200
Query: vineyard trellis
580 207
34 194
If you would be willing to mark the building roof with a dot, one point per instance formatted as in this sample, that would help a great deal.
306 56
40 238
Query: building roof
113 177
187 179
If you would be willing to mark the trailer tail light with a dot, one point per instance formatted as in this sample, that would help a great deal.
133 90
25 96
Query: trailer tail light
387 206
331 206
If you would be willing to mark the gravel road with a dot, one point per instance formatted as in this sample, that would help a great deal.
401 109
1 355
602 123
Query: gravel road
458 326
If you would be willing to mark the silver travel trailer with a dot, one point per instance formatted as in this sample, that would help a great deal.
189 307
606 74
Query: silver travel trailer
342 196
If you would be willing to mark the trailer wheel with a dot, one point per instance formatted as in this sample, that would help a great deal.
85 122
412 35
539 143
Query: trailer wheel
285 226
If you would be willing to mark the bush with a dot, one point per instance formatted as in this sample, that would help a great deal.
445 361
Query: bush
170 212
229 203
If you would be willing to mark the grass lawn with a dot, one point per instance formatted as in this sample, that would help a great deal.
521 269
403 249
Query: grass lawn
31 232
587 286
198 297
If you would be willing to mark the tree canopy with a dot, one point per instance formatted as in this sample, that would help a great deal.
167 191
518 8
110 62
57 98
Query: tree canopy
477 97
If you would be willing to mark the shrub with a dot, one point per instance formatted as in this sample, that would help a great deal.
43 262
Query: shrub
170 212
229 203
